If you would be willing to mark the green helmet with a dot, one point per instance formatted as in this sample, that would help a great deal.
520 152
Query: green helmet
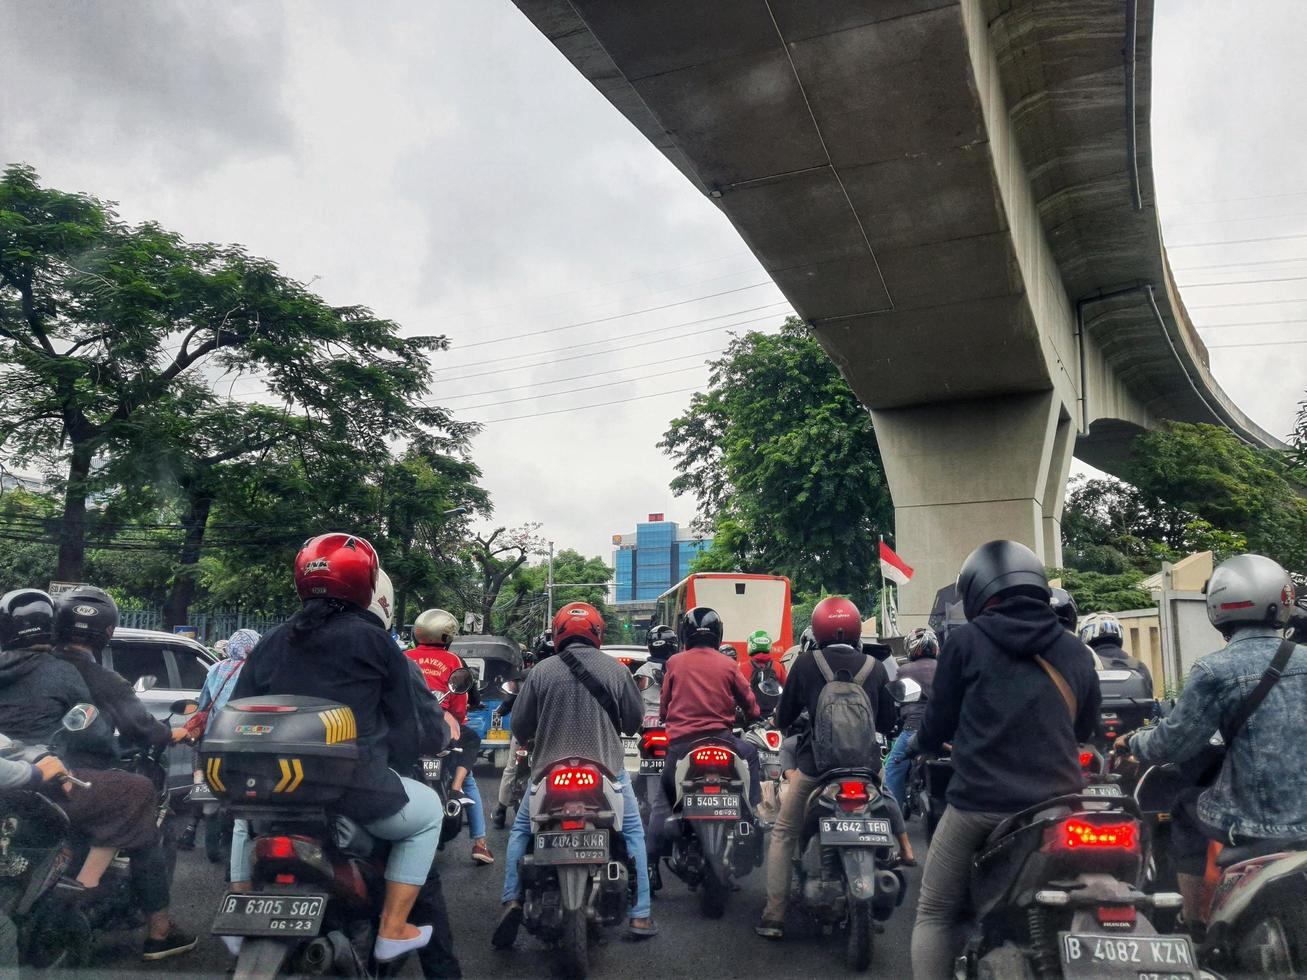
759 642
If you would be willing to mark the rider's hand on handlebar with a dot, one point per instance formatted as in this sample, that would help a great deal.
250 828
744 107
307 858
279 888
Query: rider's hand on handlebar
1122 745
454 730
180 735
51 768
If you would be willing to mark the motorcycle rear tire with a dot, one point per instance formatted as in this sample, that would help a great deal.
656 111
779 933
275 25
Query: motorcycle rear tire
63 942
574 945
1282 949
861 944
713 895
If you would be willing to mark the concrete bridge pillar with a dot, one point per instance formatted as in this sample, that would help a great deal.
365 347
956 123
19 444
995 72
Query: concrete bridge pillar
965 472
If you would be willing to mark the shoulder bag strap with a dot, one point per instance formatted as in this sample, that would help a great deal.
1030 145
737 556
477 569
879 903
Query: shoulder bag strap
1258 694
823 665
1068 695
864 671
594 686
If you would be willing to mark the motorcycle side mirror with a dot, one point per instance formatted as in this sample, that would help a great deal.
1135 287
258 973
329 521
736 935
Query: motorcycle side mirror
186 706
770 686
144 683
80 717
509 687
905 691
461 681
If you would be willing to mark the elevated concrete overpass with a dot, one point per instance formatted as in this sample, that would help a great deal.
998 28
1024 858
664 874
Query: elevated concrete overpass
958 196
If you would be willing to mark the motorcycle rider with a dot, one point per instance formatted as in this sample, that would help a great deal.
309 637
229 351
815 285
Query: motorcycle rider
434 630
541 647
923 658
700 697
1103 633
836 626
1261 791
563 720
333 649
662 645
1015 695
84 621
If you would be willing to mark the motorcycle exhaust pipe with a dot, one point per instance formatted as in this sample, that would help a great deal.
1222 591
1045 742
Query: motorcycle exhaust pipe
888 886
615 871
453 808
317 955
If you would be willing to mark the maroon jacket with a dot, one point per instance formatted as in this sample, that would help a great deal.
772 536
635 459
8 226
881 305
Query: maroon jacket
701 688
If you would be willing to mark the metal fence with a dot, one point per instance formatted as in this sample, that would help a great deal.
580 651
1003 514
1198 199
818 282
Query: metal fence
209 626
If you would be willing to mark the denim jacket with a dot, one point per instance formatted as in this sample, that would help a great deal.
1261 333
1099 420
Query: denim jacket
1262 788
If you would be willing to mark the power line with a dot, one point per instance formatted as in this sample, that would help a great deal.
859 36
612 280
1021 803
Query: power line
615 316
1259 302
590 374
1266 343
532 398
1235 265
1245 323
1237 200
582 408
609 340
645 343
1238 241
1241 282
1246 217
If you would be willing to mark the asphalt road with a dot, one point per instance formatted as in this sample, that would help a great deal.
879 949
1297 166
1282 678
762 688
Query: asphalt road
689 945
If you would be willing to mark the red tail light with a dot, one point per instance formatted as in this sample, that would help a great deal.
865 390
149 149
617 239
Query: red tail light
774 740
655 743
625 661
1116 915
1086 760
574 825
568 779
279 709
712 757
852 796
275 848
285 879
1074 834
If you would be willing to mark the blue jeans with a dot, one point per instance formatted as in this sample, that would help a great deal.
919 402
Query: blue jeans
476 815
897 765
632 831
414 832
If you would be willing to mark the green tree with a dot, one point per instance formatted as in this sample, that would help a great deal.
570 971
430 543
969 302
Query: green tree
1099 592
783 462
104 324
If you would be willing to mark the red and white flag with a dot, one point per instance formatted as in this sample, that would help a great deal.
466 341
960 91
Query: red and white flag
892 567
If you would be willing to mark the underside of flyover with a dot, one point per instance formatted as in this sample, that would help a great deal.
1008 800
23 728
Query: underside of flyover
957 195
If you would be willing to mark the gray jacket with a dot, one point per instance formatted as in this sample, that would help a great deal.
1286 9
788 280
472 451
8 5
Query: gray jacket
563 719
1262 788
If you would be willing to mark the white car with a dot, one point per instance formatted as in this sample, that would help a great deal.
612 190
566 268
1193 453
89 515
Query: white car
629 654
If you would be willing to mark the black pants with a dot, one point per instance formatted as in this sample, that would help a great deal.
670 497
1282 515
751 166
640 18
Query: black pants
151 884
1190 834
437 957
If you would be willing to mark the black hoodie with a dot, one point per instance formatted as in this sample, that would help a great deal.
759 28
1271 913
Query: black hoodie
1014 744
36 691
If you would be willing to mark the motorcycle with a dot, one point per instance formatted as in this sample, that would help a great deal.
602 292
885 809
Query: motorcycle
35 850
926 787
767 741
842 865
280 763
712 829
438 770
577 877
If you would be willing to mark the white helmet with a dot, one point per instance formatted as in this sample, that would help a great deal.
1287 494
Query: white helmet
383 600
436 627
1102 628
1249 590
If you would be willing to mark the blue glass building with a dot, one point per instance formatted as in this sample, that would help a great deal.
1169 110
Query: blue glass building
653 559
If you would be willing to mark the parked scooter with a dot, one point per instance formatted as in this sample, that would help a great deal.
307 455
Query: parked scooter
712 830
577 877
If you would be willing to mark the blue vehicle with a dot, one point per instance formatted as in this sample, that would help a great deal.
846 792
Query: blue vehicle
493 660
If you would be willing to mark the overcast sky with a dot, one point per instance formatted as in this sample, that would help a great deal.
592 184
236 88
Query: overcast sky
443 164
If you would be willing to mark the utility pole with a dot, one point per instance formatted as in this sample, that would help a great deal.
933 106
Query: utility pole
549 590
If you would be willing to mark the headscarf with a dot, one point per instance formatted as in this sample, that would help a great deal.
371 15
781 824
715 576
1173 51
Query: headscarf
241 643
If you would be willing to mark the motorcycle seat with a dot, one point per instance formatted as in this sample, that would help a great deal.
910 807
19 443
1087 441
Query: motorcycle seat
1025 818
1260 848
352 839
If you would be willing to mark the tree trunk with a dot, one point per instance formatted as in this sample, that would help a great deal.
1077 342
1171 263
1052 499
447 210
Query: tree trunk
176 608
72 534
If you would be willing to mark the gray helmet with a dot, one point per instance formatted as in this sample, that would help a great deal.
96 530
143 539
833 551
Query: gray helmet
1249 590
1000 568
436 627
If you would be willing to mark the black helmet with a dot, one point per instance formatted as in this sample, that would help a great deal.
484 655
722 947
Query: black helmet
1000 568
729 650
85 615
701 627
26 619
543 645
662 643
1064 604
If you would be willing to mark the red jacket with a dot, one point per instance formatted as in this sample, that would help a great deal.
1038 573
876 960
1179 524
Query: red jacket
437 664
701 688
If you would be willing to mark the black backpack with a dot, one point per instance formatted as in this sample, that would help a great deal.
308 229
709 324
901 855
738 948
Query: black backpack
844 731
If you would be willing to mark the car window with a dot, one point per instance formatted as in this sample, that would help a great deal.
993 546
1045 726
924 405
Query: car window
192 668
134 660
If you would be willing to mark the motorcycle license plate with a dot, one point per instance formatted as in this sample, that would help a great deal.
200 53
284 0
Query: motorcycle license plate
711 806
1143 957
571 847
1104 789
497 735
871 832
252 914
431 769
631 753
651 767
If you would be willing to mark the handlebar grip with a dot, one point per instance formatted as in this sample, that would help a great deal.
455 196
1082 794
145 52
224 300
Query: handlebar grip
68 777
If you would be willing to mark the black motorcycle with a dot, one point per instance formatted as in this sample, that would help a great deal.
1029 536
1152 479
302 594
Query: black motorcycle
713 832
926 788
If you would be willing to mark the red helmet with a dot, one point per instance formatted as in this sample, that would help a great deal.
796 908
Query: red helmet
337 566
836 620
578 621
